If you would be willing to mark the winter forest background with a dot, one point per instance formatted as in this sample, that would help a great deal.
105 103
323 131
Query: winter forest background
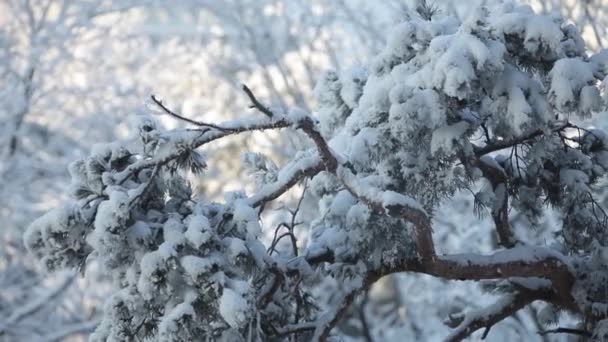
74 73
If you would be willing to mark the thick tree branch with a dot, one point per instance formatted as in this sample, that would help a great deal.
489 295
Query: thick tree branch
522 261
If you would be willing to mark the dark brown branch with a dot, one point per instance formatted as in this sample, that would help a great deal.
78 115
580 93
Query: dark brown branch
502 144
525 262
294 215
420 220
267 294
160 104
424 230
500 213
522 262
257 104
562 330
308 126
280 187
519 262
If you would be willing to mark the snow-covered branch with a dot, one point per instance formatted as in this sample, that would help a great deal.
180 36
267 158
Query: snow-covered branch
487 317
392 141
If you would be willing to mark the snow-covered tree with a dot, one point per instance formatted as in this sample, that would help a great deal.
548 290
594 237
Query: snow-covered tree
487 104
54 52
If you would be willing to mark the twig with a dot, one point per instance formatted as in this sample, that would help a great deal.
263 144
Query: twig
257 104
180 117
502 144
562 330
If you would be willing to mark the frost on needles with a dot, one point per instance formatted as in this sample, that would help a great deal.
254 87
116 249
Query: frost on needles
497 99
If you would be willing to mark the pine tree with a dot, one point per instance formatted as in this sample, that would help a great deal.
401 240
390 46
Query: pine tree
490 103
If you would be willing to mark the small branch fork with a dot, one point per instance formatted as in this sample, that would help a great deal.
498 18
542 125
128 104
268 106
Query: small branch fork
518 261
306 125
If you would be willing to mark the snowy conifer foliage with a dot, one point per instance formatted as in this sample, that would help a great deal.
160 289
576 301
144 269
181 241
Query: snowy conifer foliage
445 106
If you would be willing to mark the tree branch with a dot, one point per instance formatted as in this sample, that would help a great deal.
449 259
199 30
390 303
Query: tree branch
524 262
521 261
500 212
296 173
327 323
407 211
498 145
257 104
308 126
487 317
229 128
160 104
